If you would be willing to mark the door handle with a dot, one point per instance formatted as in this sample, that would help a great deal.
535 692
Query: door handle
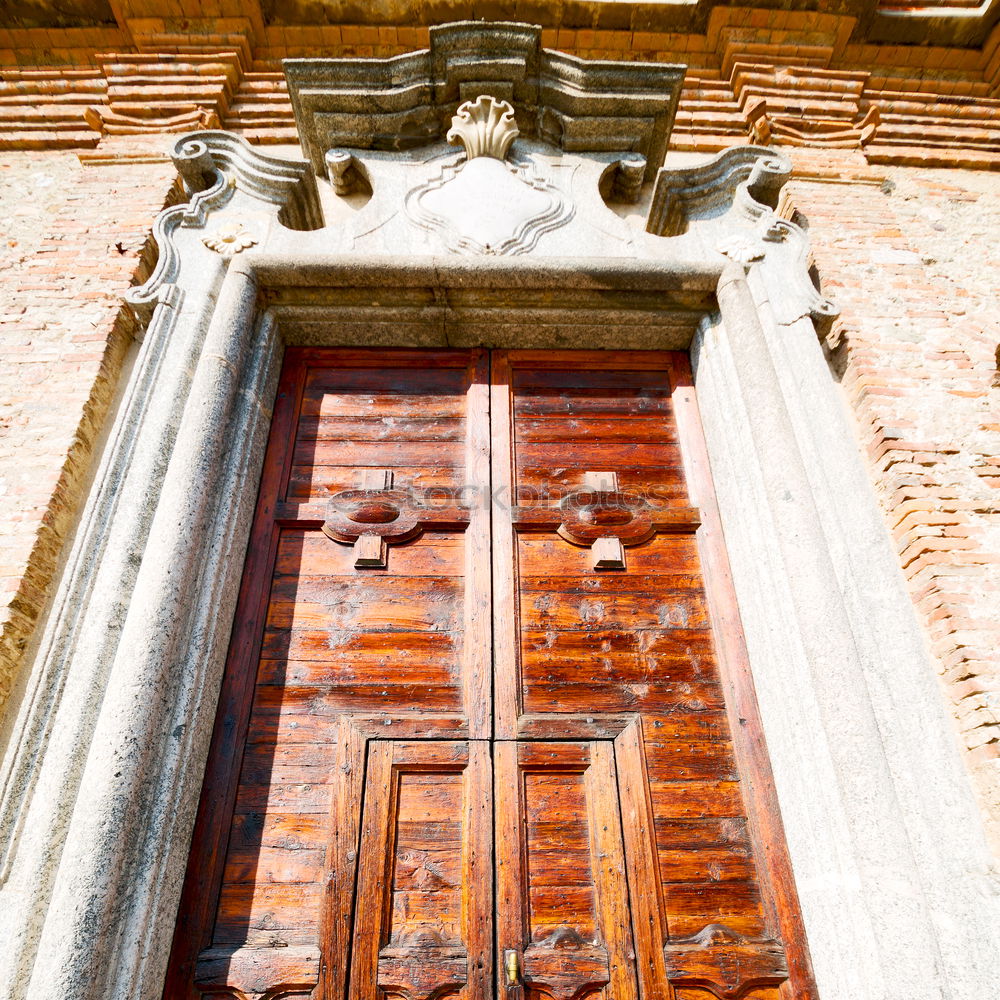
511 966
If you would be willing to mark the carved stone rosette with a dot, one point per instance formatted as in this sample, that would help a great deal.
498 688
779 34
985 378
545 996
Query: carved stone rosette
230 239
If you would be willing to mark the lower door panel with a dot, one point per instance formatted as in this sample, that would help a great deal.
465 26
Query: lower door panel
562 895
423 924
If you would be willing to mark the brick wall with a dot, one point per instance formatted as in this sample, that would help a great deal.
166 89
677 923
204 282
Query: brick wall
911 258
72 239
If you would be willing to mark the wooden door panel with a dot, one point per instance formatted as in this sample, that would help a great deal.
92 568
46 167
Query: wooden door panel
313 482
330 649
423 924
542 555
665 613
664 483
765 993
424 402
307 562
538 428
563 916
607 629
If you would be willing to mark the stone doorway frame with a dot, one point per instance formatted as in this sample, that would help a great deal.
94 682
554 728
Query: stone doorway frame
105 771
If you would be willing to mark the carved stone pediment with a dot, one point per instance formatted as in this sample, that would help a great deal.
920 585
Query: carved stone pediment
729 203
408 101
553 148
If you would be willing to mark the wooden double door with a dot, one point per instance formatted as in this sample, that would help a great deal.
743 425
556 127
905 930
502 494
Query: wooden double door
477 737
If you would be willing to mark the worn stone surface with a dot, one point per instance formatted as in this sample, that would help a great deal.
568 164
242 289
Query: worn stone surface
912 259
82 678
68 253
884 837
106 927
408 102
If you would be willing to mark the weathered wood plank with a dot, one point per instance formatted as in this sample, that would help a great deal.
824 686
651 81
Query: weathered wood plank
273 865
690 906
283 910
298 797
529 379
608 865
477 887
558 428
702 834
779 898
477 654
378 426
374 876
696 799
406 635
607 667
511 864
371 667
310 557
547 483
371 607
380 454
613 609
429 379
690 759
307 761
319 482
630 583
707 864
288 831
506 666
585 695
543 554
590 454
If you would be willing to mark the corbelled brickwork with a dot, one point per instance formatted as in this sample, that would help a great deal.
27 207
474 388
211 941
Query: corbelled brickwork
802 77
861 93
72 240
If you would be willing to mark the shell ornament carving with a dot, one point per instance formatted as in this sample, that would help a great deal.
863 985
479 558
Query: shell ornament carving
485 127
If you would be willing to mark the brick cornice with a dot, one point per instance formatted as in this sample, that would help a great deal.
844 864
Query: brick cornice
793 78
